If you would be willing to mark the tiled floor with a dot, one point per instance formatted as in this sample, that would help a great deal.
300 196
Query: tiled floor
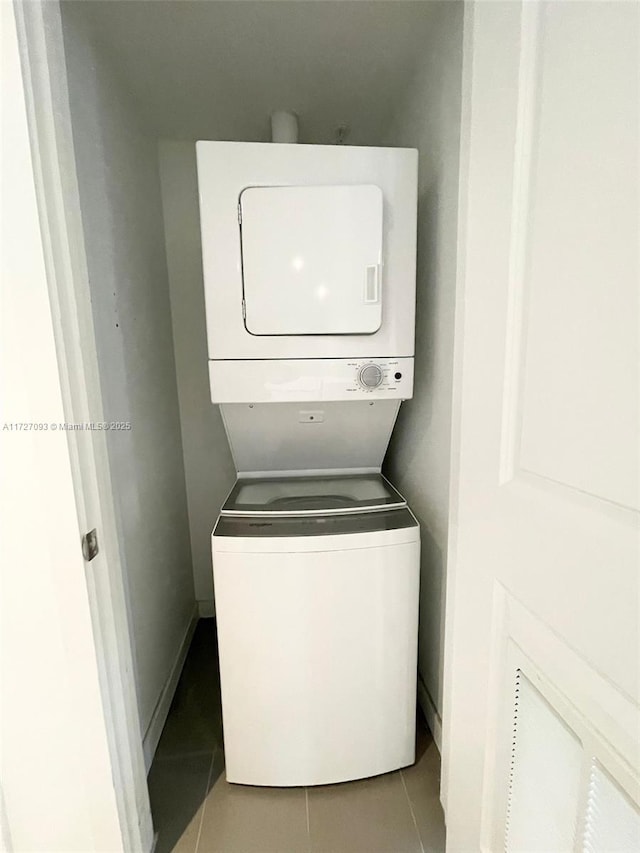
196 811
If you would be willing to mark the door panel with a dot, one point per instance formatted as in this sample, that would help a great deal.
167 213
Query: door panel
613 822
543 558
581 265
545 775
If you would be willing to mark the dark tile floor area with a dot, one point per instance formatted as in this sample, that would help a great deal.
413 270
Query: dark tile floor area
195 810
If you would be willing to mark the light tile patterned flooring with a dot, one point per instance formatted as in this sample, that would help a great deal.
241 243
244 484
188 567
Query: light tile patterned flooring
195 810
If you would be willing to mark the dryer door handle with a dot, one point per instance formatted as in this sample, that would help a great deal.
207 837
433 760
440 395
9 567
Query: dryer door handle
372 284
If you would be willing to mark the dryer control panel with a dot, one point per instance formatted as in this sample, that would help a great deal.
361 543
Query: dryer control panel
314 379
379 375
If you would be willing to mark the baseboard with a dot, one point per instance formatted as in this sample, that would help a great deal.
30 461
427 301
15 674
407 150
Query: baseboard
160 712
431 715
206 609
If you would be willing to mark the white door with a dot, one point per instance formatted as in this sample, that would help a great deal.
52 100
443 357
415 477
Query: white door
541 720
58 781
311 259
86 789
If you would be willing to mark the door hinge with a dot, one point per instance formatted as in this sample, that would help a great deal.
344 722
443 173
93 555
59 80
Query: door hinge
239 214
90 545
244 310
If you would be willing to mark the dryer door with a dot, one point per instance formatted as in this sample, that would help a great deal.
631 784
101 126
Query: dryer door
311 259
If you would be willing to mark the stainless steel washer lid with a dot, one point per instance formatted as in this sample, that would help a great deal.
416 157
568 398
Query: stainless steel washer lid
300 496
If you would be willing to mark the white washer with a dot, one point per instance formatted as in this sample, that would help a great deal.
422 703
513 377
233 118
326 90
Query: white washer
316 589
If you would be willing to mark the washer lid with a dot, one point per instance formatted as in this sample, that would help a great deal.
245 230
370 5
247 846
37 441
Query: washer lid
298 496
276 527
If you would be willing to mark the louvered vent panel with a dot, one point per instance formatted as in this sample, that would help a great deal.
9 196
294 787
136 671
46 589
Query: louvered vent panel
613 821
545 777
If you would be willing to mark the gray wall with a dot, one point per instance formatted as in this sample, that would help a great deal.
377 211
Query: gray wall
417 462
118 176
207 459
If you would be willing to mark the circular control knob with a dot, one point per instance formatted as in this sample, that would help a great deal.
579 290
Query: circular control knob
370 376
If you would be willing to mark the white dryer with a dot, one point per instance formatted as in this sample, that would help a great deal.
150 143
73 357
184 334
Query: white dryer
309 259
316 588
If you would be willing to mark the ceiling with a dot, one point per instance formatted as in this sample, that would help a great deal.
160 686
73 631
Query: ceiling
218 68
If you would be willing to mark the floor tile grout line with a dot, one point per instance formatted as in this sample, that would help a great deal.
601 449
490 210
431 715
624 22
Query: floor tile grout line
206 795
413 816
180 756
306 802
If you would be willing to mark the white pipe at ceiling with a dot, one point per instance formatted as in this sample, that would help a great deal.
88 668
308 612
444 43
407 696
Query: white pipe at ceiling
284 127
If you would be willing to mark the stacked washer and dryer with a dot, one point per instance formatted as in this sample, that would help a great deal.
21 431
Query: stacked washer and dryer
309 272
